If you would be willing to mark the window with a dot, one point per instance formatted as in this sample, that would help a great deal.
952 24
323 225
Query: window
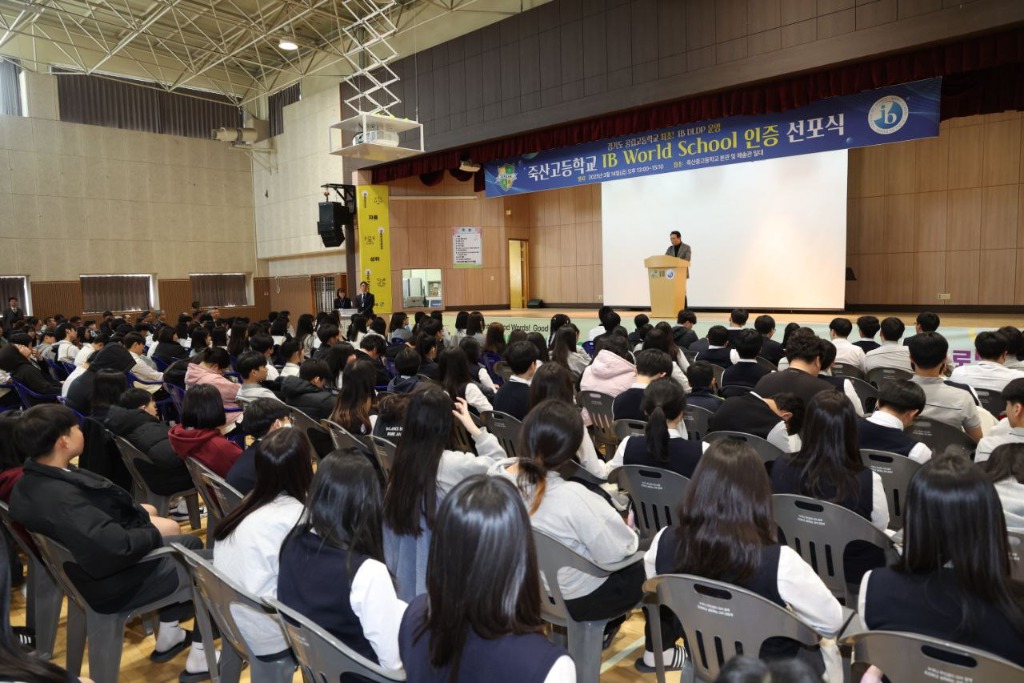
10 88
323 292
16 286
116 293
220 289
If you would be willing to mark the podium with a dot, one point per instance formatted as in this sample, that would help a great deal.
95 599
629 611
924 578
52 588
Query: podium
666 276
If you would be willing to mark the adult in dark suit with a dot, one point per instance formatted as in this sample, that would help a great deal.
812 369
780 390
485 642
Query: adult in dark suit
341 299
12 313
679 248
365 300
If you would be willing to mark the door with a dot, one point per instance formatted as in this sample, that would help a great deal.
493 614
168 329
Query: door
518 273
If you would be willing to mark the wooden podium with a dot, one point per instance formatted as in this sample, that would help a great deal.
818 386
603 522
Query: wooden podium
666 276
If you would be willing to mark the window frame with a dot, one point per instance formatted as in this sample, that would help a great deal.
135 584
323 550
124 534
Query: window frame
150 293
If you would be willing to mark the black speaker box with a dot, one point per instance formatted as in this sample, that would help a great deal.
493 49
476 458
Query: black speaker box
334 216
535 303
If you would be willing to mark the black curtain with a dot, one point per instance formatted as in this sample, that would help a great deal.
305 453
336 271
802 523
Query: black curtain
10 88
276 104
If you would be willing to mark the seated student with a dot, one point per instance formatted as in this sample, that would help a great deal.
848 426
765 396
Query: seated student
601 327
134 419
718 351
134 342
642 325
458 382
737 320
899 403
46 347
660 337
89 348
480 617
14 359
665 444
105 530
200 433
332 563
612 370
651 364
67 343
846 353
682 333
353 407
390 416
425 469
291 352
843 384
514 395
1013 394
725 532
746 371
471 347
264 344
213 363
989 373
772 419
611 324
565 352
262 417
249 537
1005 469
374 348
1014 347
953 579
407 363
804 353
701 376
307 392
252 367
867 327
112 358
328 335
890 353
926 321
771 350
340 355
427 347
946 402
167 345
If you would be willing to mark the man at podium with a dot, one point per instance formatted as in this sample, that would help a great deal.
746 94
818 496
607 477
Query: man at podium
679 249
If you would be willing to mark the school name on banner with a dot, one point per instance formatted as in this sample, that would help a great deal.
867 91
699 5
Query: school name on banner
894 114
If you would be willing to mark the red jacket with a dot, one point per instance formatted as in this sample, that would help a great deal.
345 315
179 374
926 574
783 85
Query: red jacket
207 446
8 478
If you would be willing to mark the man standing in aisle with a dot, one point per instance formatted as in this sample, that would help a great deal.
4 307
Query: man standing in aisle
364 300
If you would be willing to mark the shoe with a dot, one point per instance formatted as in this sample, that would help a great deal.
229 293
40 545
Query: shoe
180 512
186 677
170 653
25 636
611 630
676 664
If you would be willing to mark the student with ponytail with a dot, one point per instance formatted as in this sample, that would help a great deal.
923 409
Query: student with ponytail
552 381
664 443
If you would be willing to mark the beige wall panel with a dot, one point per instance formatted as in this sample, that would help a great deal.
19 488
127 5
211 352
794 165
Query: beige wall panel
962 276
929 277
997 268
899 279
1002 141
963 225
900 222
999 209
901 168
930 225
870 236
965 156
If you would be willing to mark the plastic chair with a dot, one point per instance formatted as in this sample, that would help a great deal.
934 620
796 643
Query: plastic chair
600 408
896 472
162 404
68 366
992 401
913 657
820 532
733 390
941 437
656 495
490 359
584 637
344 439
222 599
163 363
57 371
502 369
624 428
384 451
30 398
876 376
718 372
177 395
588 348
867 393
506 429
769 452
220 497
765 363
142 493
319 436
1016 541
720 621
44 596
105 632
461 440
321 656
846 370
696 420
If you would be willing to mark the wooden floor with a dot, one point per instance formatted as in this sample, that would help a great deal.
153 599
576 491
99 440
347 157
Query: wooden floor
136 667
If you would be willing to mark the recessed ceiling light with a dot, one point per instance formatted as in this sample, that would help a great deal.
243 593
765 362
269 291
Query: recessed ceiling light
286 44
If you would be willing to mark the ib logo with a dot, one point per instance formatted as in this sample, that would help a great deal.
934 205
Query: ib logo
888 114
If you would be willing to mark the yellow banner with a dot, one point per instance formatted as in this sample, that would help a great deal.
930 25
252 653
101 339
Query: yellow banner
374 231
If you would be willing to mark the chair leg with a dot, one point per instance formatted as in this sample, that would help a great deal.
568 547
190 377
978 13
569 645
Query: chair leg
76 638
653 613
194 518
209 647
585 638
47 601
280 671
161 503
230 663
106 640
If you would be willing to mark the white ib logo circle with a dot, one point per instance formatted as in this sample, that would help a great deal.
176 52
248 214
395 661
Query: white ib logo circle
888 114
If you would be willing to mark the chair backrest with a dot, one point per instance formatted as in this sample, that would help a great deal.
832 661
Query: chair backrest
992 401
769 452
696 420
30 398
733 390
721 621
941 437
220 496
896 471
878 375
16 532
718 372
819 532
1016 539
624 428
55 556
506 429
765 363
320 437
600 408
502 369
321 656
656 495
131 455
866 392
177 395
588 348
552 556
913 657
846 370
384 451
162 363
344 439
57 370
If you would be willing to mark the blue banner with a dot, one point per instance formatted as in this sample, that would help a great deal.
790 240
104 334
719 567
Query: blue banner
895 114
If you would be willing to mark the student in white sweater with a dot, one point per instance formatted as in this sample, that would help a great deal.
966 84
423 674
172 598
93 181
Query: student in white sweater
249 538
455 377
1005 469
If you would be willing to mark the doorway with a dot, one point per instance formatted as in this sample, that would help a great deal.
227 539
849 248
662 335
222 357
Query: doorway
518 273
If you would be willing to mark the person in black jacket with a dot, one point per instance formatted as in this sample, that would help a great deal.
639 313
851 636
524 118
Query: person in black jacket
261 417
168 346
106 532
134 419
364 300
112 357
683 333
746 372
14 358
514 395
771 350
306 392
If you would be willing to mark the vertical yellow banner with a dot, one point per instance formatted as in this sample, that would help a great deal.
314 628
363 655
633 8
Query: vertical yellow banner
374 229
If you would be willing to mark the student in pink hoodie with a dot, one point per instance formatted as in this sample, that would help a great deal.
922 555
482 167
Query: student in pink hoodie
213 363
199 435
612 371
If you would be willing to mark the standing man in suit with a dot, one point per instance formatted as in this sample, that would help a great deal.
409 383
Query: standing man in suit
12 313
679 249
364 300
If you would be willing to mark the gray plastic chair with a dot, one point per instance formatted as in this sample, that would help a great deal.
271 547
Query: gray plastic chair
913 657
941 437
765 363
505 428
696 420
656 495
384 451
878 375
866 392
846 370
992 401
1016 540
218 595
220 497
344 439
44 595
321 656
143 494
584 637
600 408
624 428
719 621
105 632
769 452
896 471
461 440
820 532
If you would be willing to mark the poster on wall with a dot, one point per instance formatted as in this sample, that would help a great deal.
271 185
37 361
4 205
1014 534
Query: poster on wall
375 243
467 248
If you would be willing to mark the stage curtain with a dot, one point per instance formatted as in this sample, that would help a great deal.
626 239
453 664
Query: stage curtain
982 75
226 289
116 293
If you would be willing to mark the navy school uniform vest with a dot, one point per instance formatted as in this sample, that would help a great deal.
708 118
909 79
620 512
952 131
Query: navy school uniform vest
881 438
683 455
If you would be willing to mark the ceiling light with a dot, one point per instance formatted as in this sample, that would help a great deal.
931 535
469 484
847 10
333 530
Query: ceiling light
286 44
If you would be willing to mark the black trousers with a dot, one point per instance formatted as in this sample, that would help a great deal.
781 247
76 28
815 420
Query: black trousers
169 577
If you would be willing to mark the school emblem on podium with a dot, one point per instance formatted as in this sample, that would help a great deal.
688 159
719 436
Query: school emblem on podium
506 176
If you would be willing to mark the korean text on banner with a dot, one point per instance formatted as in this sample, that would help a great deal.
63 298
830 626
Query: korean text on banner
467 248
375 243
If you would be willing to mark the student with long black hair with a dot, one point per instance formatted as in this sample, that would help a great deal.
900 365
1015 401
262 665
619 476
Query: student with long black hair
456 379
565 352
953 579
332 562
725 531
558 321
664 444
304 334
426 467
353 407
475 327
249 537
480 619
552 381
471 347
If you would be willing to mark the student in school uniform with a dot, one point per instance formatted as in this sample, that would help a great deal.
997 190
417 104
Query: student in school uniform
664 444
